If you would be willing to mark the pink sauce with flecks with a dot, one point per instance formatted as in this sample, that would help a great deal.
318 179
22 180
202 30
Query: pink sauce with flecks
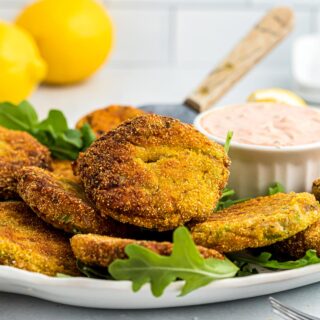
265 124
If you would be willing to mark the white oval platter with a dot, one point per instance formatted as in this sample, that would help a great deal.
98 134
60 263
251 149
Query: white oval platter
110 294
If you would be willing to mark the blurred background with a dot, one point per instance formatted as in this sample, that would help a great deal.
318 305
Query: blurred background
163 48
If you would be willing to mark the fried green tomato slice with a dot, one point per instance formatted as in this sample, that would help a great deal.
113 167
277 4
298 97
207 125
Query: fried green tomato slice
26 242
63 169
154 172
106 119
257 222
316 189
18 149
297 245
101 251
62 203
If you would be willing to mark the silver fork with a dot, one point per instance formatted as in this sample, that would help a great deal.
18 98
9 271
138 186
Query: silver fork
289 313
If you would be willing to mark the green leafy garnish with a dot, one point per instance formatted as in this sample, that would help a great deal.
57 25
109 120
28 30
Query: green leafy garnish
53 132
93 272
228 195
264 260
245 269
228 199
228 141
185 263
276 188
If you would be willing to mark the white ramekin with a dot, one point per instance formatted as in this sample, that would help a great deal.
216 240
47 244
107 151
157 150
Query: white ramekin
255 168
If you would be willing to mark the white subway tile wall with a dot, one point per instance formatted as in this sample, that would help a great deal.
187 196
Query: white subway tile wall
141 36
189 33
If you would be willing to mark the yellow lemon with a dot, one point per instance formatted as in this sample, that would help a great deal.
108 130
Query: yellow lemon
73 36
276 95
21 66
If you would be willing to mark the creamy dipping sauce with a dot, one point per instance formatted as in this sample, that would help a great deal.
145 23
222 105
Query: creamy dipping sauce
265 124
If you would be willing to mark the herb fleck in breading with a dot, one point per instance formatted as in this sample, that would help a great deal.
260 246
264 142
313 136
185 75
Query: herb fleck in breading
257 222
26 242
104 120
62 203
100 251
18 149
154 172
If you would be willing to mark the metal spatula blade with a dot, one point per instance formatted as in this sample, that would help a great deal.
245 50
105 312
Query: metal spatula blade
178 111
260 40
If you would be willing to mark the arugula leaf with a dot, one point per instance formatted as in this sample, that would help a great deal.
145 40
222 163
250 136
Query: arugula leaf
93 272
276 188
88 136
228 196
228 141
185 262
73 137
227 199
53 132
26 109
56 120
264 260
245 269
19 117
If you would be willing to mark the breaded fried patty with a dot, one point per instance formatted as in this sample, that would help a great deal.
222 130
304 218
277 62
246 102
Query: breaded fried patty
154 172
100 251
26 242
257 222
316 189
18 149
297 245
63 168
62 203
106 119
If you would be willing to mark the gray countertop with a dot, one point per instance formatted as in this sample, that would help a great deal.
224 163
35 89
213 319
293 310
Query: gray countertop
16 307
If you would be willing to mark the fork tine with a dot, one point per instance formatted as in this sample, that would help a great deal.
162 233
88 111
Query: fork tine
284 310
282 315
290 311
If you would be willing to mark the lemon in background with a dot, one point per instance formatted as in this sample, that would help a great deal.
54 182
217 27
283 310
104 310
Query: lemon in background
73 36
21 66
276 95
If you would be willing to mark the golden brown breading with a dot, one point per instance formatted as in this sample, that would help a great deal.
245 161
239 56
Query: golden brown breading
297 245
106 119
154 172
316 189
18 149
63 169
257 222
63 203
26 242
100 251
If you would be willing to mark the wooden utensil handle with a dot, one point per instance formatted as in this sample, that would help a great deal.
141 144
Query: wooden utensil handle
273 27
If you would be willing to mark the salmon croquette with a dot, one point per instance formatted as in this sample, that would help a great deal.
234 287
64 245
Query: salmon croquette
63 204
26 242
154 172
106 119
257 222
18 149
101 251
297 245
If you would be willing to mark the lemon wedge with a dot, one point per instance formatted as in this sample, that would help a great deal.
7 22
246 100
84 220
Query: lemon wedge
276 95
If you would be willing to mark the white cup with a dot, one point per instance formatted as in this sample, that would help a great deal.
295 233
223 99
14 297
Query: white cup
254 168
